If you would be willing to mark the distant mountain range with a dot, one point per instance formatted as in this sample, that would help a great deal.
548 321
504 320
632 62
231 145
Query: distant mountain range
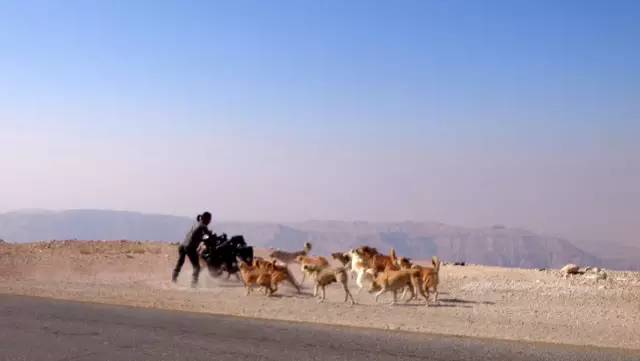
497 245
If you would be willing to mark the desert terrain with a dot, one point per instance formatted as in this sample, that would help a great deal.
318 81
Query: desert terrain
479 301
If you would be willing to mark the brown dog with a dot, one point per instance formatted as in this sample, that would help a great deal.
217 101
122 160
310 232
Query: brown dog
325 276
253 276
318 262
429 276
261 263
280 274
391 280
378 261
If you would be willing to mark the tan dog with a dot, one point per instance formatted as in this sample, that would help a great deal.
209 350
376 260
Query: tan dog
429 276
280 274
395 280
318 262
261 263
325 276
253 276
289 257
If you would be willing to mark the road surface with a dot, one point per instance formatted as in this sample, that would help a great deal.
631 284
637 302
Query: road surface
42 329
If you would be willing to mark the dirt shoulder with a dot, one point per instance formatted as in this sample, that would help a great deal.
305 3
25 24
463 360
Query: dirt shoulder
513 304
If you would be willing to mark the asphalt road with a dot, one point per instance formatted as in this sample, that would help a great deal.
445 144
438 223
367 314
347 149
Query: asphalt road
42 329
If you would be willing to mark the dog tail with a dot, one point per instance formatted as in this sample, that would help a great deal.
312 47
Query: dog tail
307 248
436 264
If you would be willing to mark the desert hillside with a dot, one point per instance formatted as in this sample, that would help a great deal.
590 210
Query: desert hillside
482 301
496 246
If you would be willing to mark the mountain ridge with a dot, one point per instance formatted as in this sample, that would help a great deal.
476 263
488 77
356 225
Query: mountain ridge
496 245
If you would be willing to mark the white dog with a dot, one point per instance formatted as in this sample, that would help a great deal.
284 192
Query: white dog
359 268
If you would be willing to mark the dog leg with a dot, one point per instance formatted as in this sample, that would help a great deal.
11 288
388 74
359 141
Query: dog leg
295 285
359 280
379 293
395 297
315 290
324 295
404 293
421 290
347 294
293 282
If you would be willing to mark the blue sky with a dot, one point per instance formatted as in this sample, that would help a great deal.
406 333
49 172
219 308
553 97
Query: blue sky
469 112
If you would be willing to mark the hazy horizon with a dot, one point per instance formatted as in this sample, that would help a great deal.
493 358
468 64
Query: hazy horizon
470 114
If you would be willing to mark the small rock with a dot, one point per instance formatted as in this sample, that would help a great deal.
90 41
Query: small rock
596 276
570 269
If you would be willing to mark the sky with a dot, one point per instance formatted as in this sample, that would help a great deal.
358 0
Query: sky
474 113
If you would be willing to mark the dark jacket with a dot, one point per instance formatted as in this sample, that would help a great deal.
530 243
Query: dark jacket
195 236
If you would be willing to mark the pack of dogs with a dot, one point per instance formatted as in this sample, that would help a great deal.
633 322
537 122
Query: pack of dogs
381 273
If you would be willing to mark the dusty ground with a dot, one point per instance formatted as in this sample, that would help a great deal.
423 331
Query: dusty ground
479 301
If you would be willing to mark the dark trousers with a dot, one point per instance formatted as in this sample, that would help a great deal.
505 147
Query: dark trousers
195 263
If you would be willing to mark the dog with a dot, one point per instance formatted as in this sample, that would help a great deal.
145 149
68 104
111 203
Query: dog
325 276
429 276
290 257
319 262
261 263
365 258
359 268
253 276
379 261
280 274
343 258
390 280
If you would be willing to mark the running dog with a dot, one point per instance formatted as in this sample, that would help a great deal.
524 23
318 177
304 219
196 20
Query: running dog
290 257
280 274
325 276
318 262
367 258
395 280
254 276
429 276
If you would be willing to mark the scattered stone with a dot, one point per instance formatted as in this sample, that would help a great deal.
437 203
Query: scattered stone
570 269
600 275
